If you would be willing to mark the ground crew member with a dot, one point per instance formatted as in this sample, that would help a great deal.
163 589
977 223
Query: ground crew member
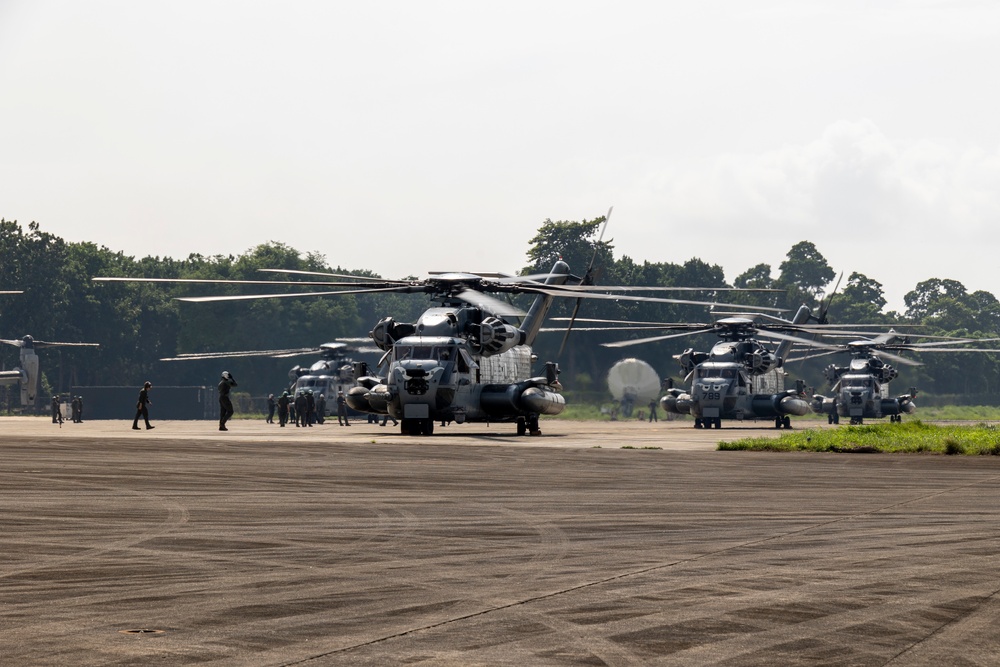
225 404
283 408
342 409
300 408
140 407
56 411
310 408
652 411
321 408
270 408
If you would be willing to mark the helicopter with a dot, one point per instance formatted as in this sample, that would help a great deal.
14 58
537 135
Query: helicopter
862 387
27 374
740 377
335 371
467 360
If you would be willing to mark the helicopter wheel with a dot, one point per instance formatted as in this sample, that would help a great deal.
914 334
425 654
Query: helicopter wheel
855 421
777 422
532 425
717 422
522 427
787 422
697 423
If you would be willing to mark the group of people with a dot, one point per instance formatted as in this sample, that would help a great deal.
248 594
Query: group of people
305 409
75 406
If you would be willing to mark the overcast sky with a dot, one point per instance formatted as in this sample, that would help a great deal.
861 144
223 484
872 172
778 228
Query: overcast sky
414 136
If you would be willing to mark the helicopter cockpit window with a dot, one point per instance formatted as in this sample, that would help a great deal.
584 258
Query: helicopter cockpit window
716 373
465 362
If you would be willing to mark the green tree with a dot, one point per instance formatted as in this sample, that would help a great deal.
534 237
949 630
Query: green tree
804 274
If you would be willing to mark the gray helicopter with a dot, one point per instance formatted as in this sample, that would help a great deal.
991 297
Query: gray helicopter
27 374
740 378
336 370
861 389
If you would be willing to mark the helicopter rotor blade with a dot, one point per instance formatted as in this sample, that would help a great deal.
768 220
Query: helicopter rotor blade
653 339
814 355
333 275
215 281
197 356
625 297
46 343
767 333
896 358
249 297
490 304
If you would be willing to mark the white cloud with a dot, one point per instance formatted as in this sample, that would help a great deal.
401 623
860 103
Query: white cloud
898 211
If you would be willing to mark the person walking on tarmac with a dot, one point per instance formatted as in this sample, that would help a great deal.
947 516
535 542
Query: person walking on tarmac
141 409
225 403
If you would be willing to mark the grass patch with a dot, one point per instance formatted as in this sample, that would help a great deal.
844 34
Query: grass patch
911 437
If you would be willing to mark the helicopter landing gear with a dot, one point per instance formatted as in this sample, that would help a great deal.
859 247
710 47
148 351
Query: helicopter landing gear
896 419
531 424
783 422
522 427
697 423
856 421
708 422
417 427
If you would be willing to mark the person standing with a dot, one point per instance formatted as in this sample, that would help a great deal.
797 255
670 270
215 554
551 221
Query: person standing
283 402
652 411
300 407
79 409
73 409
225 403
321 408
342 409
141 409
270 408
310 408
56 411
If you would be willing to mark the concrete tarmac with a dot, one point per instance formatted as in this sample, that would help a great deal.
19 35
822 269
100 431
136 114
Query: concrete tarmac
357 546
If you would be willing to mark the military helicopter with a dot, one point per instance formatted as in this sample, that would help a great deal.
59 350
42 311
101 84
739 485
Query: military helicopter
467 360
335 371
740 377
862 387
27 374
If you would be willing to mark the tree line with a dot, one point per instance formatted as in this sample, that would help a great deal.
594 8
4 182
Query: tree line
137 324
